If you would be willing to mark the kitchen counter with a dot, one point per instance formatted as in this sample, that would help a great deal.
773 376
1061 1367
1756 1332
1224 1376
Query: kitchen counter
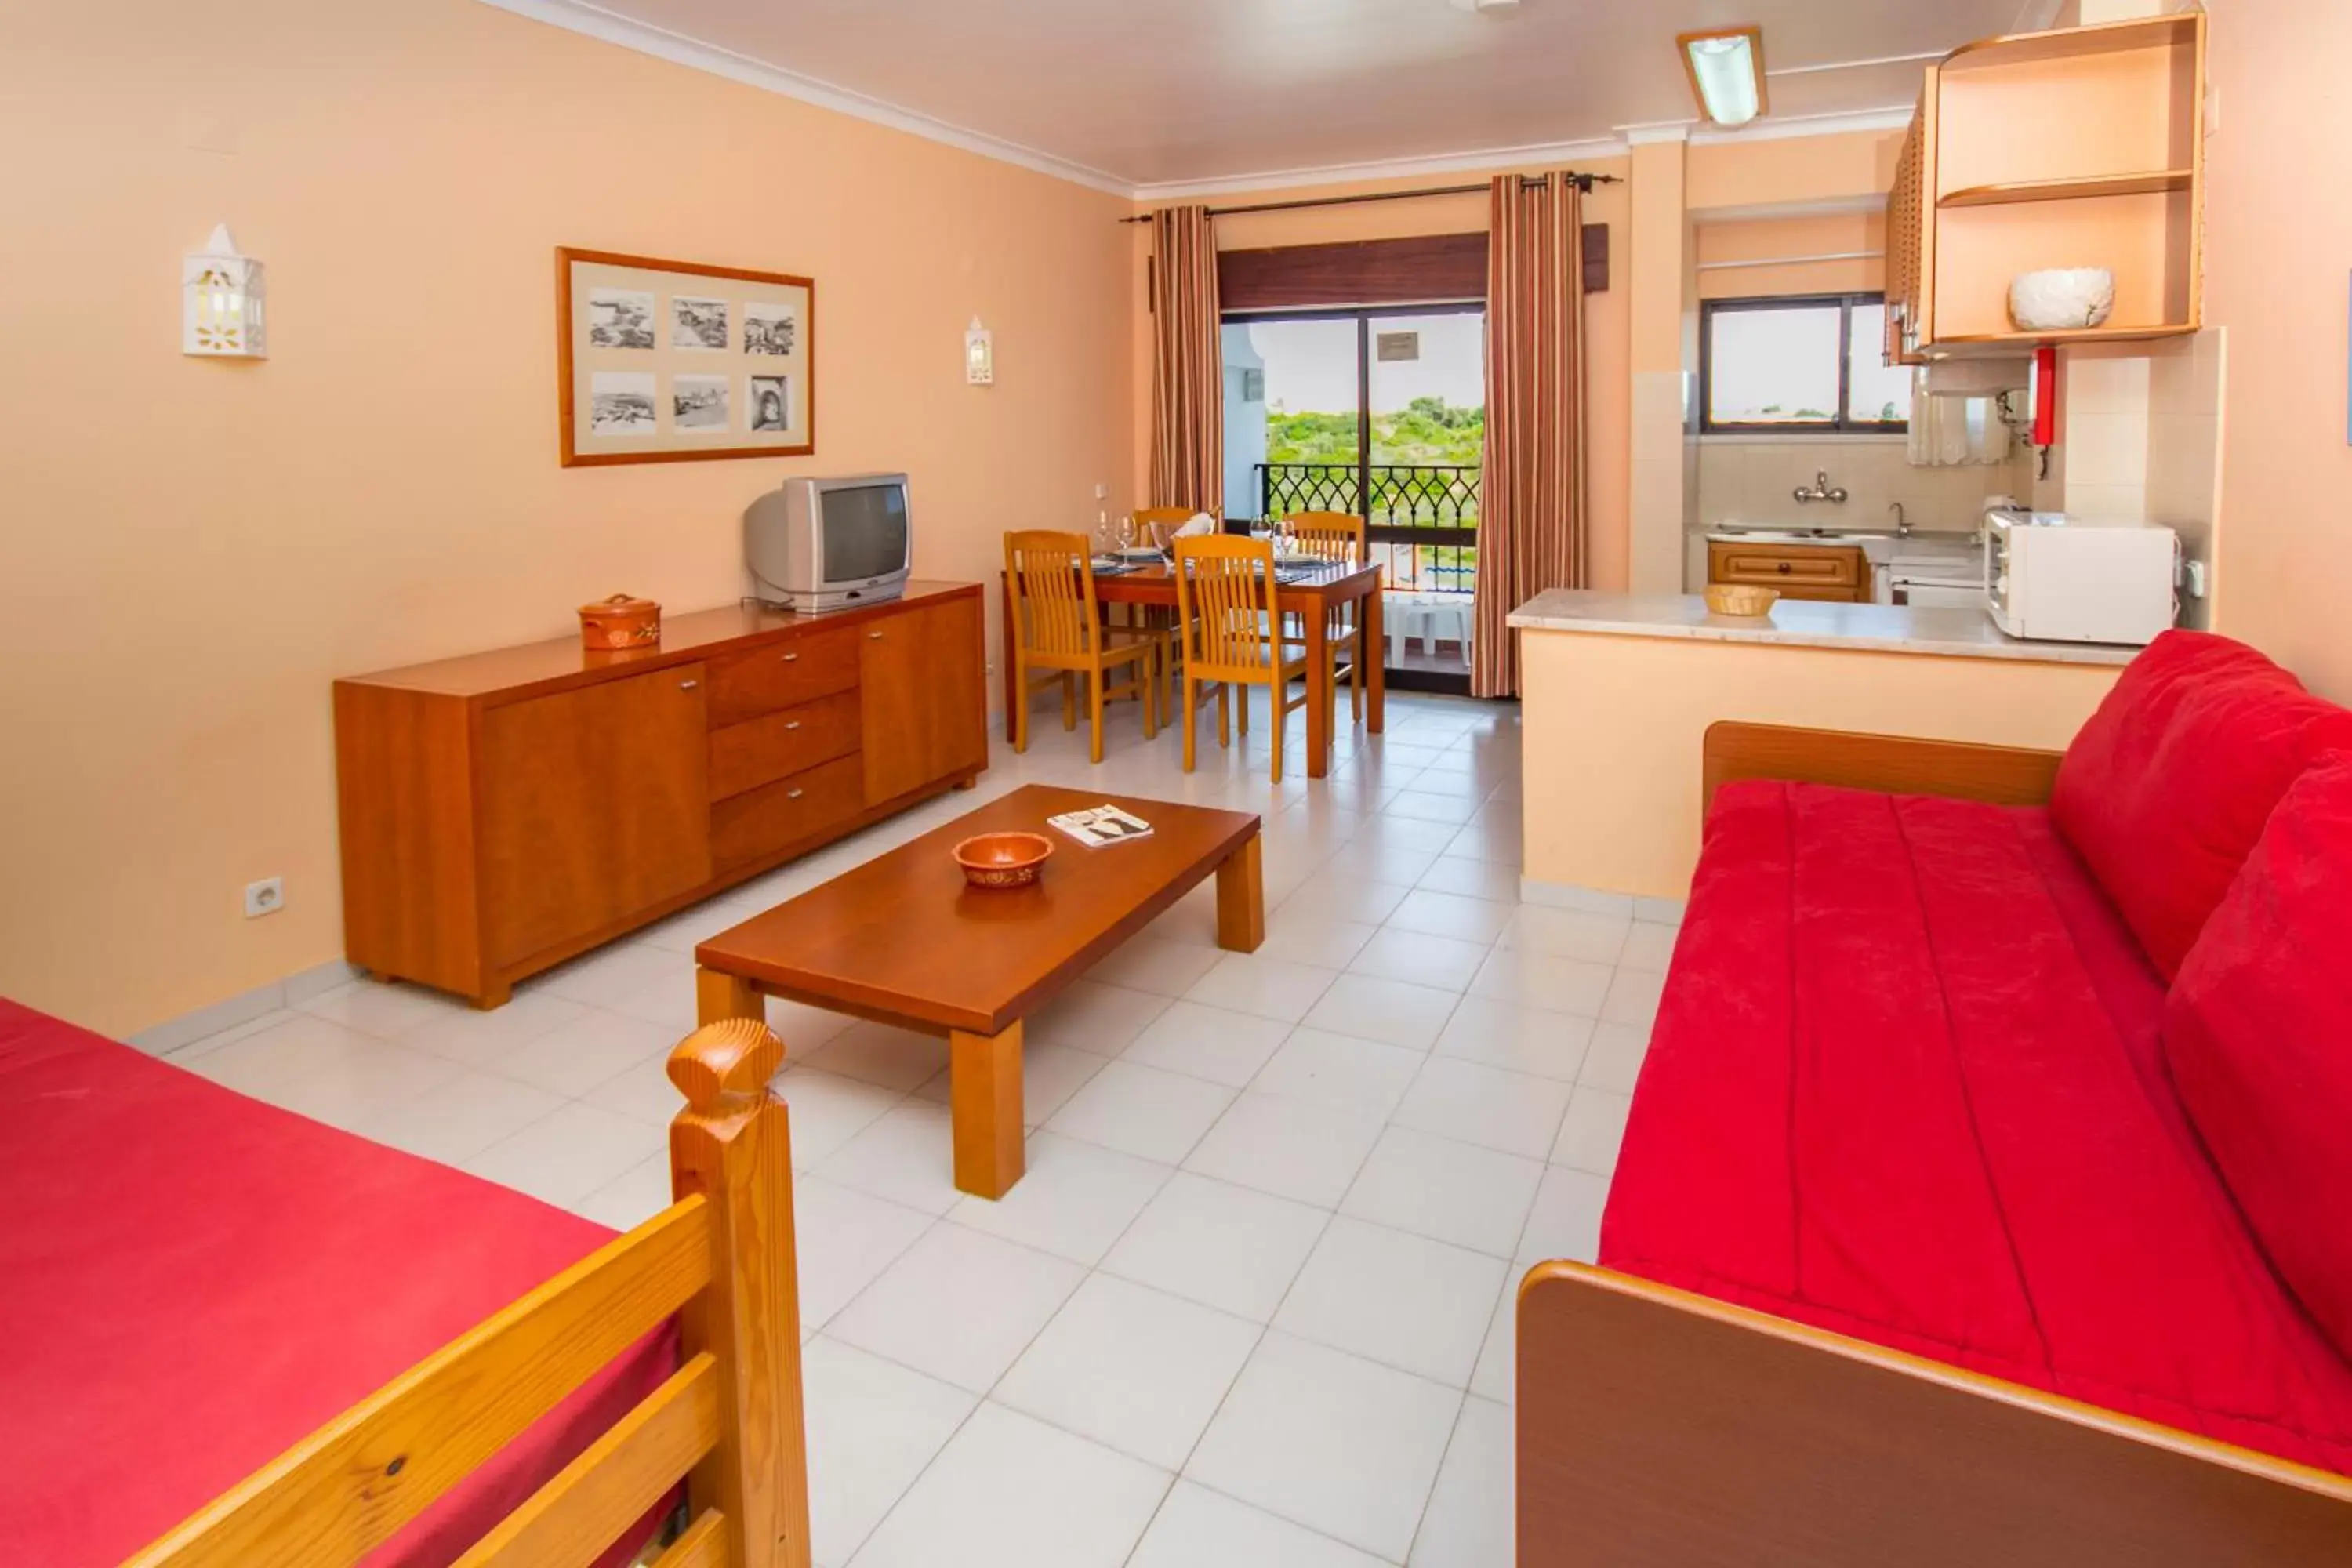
1875 628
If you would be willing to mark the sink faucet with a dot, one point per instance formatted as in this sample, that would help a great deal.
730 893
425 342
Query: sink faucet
1902 524
1820 490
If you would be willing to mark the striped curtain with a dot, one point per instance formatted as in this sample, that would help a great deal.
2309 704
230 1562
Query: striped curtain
1188 374
1532 525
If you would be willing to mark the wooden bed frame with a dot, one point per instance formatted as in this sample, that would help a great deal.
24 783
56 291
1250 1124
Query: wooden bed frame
728 1423
1669 1430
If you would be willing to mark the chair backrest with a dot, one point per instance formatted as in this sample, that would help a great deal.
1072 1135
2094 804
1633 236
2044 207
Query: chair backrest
1225 597
1333 535
1052 580
1157 524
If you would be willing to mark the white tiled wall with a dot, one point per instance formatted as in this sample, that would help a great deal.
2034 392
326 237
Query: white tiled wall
1748 480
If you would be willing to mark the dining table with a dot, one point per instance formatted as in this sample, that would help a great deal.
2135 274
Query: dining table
1309 591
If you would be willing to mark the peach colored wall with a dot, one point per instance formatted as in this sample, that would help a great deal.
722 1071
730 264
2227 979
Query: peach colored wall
197 549
2278 244
1614 728
1607 319
1803 170
1777 240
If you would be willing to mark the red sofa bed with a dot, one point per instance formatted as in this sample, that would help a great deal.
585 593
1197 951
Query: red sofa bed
1986 1194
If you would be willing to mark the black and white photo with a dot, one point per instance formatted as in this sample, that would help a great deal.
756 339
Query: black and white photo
621 403
770 328
697 323
620 318
771 402
698 403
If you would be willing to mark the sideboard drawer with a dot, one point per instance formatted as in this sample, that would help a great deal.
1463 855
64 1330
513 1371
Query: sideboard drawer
763 749
761 822
783 674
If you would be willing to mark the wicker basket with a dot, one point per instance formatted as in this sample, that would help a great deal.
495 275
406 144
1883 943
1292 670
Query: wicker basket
1741 599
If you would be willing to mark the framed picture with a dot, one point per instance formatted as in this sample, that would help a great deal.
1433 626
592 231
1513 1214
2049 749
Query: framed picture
667 361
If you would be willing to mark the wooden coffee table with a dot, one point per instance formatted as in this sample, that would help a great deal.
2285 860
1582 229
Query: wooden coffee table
903 941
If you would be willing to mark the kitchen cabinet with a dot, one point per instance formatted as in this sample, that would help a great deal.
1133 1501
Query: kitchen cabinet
502 811
1830 572
2083 147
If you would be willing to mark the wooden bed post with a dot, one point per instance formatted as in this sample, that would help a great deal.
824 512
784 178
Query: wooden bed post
732 1146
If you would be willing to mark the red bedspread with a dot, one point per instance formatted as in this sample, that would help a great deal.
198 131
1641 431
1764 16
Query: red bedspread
191 1280
1906 1085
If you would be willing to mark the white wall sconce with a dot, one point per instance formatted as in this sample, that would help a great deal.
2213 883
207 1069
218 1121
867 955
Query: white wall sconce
221 300
978 354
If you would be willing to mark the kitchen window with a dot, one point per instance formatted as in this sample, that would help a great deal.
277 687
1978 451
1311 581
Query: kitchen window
1812 365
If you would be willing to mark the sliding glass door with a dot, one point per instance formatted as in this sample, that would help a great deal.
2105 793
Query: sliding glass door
1381 414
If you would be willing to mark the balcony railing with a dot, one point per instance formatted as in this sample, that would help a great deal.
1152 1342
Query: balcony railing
1422 523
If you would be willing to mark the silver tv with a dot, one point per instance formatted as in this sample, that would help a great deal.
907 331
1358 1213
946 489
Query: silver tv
830 544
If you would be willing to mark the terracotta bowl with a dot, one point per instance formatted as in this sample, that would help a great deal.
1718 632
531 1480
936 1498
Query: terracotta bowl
1003 859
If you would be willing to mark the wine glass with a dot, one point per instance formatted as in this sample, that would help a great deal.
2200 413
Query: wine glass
1126 531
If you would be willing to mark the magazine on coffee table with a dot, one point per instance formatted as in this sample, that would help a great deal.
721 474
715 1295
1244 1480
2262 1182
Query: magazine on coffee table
1101 825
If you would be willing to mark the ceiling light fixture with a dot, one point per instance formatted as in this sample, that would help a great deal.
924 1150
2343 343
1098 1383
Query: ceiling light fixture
1726 72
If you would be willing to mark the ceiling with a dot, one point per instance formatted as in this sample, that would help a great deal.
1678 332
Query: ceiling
1139 94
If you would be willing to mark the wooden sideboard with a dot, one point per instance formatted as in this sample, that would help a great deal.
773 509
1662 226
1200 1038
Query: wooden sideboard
505 811
1835 571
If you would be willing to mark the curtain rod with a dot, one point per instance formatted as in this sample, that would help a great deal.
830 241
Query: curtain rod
1582 182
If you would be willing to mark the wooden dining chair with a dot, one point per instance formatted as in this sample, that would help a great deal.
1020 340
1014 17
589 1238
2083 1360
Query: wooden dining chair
1057 629
1225 607
1337 536
1155 525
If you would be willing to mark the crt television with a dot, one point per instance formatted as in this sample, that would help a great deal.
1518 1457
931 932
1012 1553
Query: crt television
830 544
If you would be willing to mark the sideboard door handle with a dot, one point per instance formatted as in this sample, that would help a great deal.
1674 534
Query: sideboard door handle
789 657
873 636
688 685
795 793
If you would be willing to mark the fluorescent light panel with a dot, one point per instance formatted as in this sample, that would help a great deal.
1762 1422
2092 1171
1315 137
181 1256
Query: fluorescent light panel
1726 72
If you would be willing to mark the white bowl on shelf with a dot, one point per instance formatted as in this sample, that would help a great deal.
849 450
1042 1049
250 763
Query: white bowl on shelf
2062 299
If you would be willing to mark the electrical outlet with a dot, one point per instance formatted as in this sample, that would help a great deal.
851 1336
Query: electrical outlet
265 896
1102 491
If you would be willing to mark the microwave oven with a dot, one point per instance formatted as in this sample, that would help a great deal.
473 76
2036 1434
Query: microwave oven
2050 577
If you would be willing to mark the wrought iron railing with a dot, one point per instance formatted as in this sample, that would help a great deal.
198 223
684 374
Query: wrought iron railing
1422 523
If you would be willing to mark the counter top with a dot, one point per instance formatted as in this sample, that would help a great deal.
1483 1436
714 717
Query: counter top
1878 629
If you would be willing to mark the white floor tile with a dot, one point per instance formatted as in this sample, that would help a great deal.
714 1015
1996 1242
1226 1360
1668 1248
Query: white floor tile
1309 936
1156 965
1445 1189
1074 1201
1092 1017
1261 986
1566 1220
1388 1011
623 970
1473 878
575 1057
881 1055
1331 1441
872 1427
844 1239
1406 1301
906 1156
325 1072
1649 946
958 1305
826 1112
642 1090
1224 1246
1568 933
803 1028
1633 998
1500 1034
458 1120
569 1154
1471 1103
1340 1071
1197 1528
1049 1076
1615 1062
1208 1043
1595 1127
1142 1111
1418 959
1337 893
1470 919
384 1011
632 1197
1470 1521
1497 1373
1287 1147
1009 1491
1535 979
1130 1367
